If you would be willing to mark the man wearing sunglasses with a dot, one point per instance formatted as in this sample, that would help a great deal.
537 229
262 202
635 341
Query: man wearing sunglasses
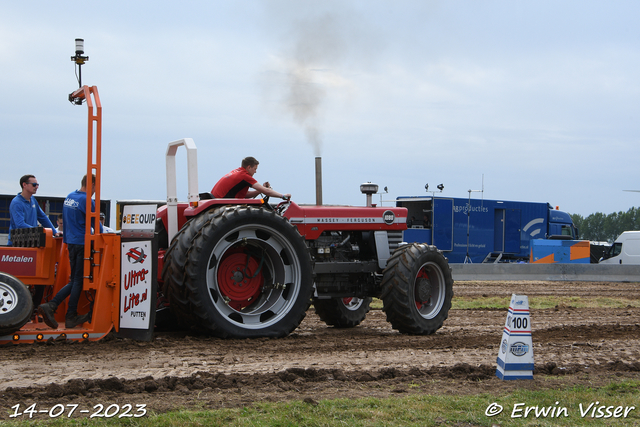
24 209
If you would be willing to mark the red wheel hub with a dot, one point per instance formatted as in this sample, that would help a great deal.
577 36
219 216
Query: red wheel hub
422 290
237 279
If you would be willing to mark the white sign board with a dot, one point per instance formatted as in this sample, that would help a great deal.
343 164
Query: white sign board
138 221
135 284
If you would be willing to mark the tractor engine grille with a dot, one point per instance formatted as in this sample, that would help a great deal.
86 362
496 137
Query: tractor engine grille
395 238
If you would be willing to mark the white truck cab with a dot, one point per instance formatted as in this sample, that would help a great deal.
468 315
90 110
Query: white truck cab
625 250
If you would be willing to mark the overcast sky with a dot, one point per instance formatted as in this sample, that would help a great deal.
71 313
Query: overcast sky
542 98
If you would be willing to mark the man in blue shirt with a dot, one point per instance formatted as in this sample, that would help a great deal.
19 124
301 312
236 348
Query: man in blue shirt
24 209
74 218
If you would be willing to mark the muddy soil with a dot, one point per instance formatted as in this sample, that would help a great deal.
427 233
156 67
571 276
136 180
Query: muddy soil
178 370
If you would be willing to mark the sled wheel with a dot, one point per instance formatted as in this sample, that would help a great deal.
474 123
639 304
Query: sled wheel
16 305
417 289
239 272
342 312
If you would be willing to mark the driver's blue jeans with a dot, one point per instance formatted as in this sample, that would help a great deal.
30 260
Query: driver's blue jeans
73 289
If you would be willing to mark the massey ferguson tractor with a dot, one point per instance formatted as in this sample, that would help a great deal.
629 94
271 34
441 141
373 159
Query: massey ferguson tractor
237 268
243 268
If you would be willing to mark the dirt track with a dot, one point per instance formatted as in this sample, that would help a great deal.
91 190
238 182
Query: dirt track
571 345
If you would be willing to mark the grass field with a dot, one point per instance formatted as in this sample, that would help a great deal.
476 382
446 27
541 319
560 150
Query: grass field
615 404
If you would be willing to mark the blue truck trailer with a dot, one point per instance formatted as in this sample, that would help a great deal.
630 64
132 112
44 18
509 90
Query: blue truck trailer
473 230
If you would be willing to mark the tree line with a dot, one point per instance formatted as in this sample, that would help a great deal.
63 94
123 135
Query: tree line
606 228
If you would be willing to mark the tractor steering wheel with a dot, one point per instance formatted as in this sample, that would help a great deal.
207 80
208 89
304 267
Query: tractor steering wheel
283 206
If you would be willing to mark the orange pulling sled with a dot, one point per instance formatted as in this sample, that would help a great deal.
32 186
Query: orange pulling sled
39 259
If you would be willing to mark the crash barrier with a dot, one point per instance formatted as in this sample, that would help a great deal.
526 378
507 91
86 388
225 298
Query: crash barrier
546 272
515 354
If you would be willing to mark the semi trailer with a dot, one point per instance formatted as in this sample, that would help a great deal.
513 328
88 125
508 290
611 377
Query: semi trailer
480 230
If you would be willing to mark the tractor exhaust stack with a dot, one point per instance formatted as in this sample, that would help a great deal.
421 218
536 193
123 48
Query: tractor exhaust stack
319 181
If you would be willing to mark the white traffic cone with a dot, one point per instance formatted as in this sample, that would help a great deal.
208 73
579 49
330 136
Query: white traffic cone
515 357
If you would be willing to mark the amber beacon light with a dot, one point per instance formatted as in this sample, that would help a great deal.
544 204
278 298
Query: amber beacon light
79 59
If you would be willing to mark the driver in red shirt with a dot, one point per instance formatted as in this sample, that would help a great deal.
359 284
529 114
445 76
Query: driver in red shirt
236 184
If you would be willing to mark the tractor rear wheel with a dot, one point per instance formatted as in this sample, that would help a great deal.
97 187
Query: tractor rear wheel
342 312
240 272
417 289
16 305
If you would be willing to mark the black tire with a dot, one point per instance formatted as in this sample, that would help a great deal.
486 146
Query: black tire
16 304
417 289
240 272
342 312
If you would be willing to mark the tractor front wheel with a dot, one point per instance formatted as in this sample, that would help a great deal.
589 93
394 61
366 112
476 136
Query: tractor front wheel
417 289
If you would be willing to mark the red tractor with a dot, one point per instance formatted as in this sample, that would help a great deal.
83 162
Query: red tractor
244 268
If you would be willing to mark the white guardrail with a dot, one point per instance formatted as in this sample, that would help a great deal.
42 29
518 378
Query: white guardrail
546 272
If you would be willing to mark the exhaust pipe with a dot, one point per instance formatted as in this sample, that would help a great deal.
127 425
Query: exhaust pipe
319 181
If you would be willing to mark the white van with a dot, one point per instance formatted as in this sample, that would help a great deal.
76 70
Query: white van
625 250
